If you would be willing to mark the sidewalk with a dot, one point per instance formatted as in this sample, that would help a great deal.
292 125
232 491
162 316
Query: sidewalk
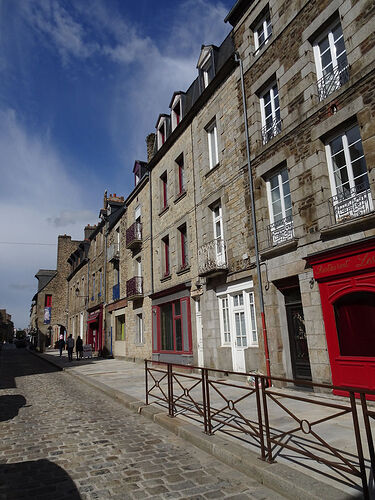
292 476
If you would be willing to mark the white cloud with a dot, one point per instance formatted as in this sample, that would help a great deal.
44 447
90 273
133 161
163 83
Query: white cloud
71 217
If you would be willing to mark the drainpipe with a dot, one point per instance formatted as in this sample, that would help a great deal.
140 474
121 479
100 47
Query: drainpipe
253 218
151 240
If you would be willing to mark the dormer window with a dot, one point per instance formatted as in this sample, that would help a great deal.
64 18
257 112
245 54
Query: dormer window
137 174
139 170
176 114
162 128
206 66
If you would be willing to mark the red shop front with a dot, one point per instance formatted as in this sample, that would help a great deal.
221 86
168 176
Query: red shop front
346 277
95 329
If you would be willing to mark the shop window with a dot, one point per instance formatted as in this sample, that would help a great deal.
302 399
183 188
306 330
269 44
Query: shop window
348 175
120 327
270 113
173 327
355 324
330 59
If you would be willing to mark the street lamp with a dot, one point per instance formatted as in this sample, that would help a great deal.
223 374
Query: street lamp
78 295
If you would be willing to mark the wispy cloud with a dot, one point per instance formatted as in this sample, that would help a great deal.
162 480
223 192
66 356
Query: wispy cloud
71 217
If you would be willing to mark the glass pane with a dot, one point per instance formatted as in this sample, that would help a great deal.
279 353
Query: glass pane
178 334
275 194
323 45
166 327
356 150
338 160
276 207
274 181
336 145
177 308
235 300
359 168
355 323
337 32
288 202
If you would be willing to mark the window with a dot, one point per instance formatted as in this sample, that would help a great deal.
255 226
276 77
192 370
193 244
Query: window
184 262
93 287
176 111
165 250
137 214
139 329
137 174
217 216
348 175
237 318
330 60
164 190
262 32
138 266
120 327
180 174
173 326
162 130
207 72
280 207
270 113
212 144
100 283
48 301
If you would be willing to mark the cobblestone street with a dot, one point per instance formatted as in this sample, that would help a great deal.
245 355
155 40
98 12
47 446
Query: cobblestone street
64 440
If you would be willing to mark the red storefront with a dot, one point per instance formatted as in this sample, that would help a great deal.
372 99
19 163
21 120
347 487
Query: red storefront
95 328
346 277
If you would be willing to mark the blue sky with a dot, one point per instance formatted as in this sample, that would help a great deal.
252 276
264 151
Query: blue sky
81 85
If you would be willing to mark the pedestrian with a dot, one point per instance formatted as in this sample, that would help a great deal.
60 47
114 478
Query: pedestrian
79 348
61 344
70 343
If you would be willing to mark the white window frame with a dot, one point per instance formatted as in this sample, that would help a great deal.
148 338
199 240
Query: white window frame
205 69
282 194
162 125
229 338
317 55
264 24
138 266
213 150
270 89
137 213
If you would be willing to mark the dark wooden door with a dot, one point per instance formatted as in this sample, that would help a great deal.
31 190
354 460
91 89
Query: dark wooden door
298 343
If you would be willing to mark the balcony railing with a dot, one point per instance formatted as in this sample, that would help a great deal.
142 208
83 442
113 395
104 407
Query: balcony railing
134 235
280 231
332 81
134 288
354 203
113 252
116 292
212 258
270 130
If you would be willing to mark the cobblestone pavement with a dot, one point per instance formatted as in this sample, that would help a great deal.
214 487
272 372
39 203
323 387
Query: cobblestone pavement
61 439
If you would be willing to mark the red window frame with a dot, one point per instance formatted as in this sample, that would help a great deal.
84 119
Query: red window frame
180 164
48 301
183 242
157 313
166 256
164 183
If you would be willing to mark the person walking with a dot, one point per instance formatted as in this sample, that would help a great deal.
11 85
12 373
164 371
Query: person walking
79 348
61 344
70 343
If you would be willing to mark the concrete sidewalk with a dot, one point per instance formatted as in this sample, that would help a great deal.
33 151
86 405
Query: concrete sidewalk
292 476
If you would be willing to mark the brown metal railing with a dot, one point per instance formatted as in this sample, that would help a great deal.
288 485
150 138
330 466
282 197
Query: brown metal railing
264 417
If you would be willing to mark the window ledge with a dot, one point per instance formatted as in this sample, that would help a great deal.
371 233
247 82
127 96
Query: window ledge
166 278
163 210
288 246
354 225
180 196
215 167
183 270
139 344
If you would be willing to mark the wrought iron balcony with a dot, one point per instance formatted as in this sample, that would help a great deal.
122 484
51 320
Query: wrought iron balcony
134 235
134 288
116 292
332 81
280 231
113 252
356 202
270 130
212 258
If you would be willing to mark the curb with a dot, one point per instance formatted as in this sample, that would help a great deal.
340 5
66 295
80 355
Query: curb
281 478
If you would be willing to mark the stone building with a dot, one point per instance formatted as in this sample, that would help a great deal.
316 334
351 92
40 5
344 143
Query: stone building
309 80
51 299
6 326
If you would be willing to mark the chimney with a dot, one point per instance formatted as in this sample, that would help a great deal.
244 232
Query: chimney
150 141
105 200
88 231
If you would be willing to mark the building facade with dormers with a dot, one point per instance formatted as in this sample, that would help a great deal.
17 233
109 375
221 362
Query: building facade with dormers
309 80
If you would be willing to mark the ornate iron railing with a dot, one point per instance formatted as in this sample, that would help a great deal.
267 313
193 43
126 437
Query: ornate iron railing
212 257
278 424
281 231
354 203
332 81
270 130
116 292
113 252
134 287
134 235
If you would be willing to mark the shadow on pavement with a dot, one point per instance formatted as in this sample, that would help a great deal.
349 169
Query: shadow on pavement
10 405
38 479
20 363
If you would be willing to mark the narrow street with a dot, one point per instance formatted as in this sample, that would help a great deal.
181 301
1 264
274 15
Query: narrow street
62 440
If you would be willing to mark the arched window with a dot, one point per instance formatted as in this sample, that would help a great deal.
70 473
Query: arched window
355 323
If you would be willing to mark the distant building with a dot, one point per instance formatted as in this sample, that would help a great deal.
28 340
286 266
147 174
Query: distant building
6 326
